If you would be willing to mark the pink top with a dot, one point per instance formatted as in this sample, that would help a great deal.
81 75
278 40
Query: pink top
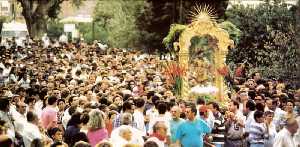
49 117
97 136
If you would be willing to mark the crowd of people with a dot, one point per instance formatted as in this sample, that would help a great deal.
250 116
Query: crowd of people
74 94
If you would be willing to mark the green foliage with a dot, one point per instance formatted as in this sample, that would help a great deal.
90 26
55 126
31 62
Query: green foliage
178 86
234 32
160 14
119 20
268 39
86 29
55 29
173 35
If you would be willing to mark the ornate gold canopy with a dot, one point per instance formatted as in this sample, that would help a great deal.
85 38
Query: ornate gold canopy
202 25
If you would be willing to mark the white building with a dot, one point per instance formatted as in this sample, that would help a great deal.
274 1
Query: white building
5 8
257 2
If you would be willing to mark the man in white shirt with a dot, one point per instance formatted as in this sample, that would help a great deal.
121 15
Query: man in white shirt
285 138
249 112
297 135
139 116
162 117
20 117
32 130
63 38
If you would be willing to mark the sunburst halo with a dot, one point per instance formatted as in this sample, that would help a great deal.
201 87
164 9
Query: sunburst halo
202 12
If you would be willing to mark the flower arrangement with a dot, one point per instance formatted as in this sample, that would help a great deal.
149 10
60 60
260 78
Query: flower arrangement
174 74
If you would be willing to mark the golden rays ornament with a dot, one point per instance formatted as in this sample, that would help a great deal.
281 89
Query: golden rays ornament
201 13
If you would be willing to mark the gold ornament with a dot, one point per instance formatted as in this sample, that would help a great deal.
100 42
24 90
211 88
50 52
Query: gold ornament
204 24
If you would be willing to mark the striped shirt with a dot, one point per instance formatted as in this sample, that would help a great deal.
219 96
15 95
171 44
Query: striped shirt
257 133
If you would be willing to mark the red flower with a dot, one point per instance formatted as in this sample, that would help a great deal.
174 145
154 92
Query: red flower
223 71
239 72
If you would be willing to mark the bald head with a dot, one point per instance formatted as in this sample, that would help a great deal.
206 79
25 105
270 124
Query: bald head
175 111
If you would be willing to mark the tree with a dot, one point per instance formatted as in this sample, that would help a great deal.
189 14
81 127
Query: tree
298 39
267 43
159 15
119 20
38 12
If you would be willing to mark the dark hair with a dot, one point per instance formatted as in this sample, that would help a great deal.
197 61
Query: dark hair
30 100
139 103
6 142
200 101
85 118
258 114
254 74
30 116
291 101
71 99
215 105
260 107
72 110
251 94
75 119
193 107
55 144
52 100
65 94
79 137
162 107
150 144
52 131
261 95
154 99
36 143
126 106
60 100
102 107
4 103
251 105
235 103
103 100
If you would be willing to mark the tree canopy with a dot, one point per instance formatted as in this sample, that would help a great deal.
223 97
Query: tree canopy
119 19
38 12
268 41
155 23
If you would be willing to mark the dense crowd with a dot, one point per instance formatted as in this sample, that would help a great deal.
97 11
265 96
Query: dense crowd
73 94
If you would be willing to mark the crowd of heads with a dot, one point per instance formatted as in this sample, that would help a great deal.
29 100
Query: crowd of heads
94 88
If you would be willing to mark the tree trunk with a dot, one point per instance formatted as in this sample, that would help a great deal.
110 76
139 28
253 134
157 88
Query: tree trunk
1 26
36 16
36 27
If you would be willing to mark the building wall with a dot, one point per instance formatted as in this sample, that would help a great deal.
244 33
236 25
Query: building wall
257 2
5 8
87 8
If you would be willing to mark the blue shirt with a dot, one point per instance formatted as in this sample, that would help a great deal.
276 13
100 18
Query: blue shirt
190 134
173 127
